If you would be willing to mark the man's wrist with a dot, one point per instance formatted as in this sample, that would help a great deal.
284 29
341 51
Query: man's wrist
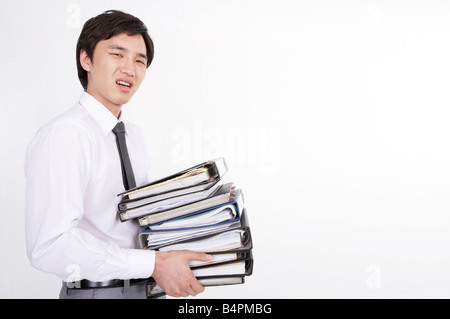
141 263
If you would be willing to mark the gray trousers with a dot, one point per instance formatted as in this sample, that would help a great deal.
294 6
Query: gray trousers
130 292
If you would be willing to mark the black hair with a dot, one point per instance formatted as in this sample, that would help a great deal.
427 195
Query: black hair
105 26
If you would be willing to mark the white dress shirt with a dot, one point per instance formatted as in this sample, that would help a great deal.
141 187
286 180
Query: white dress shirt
73 177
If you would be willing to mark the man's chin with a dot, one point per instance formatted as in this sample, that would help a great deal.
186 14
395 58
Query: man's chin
121 100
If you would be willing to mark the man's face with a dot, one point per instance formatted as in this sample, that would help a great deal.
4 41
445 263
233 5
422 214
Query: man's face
117 69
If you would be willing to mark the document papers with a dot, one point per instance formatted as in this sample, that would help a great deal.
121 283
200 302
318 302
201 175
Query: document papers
210 217
217 258
223 241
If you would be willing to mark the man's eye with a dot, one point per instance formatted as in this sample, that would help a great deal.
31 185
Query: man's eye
139 61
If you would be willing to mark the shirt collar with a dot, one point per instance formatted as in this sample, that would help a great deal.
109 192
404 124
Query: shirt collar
102 116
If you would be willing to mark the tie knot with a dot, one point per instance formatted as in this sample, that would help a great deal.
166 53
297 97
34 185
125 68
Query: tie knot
119 128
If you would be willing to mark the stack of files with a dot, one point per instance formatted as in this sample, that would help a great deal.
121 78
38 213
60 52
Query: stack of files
194 210
161 198
214 220
228 240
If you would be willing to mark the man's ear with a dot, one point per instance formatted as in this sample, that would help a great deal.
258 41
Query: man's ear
85 61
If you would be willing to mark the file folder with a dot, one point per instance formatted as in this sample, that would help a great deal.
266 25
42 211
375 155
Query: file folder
199 219
199 175
241 224
223 195
173 196
148 205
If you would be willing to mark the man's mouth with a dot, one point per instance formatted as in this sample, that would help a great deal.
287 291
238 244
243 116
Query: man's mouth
123 83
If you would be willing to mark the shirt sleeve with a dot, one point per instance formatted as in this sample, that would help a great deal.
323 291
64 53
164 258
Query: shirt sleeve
57 168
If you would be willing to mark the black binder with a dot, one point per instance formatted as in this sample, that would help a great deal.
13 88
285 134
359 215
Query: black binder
243 255
241 224
237 203
216 168
154 290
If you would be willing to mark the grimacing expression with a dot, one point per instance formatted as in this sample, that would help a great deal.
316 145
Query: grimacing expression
117 69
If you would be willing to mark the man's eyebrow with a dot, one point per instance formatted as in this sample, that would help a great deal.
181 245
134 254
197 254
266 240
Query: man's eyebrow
142 55
118 47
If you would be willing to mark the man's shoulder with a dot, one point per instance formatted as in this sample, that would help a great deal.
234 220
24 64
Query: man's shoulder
75 114
75 120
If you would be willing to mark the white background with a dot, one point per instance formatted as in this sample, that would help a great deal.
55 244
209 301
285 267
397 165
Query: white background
333 117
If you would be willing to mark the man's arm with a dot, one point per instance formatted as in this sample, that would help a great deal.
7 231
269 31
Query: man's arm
58 166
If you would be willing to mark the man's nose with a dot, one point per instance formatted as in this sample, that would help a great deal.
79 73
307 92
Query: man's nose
127 67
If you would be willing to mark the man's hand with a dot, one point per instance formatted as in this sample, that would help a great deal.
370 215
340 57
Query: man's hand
173 274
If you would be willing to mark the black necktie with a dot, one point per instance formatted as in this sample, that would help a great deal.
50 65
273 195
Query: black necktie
127 170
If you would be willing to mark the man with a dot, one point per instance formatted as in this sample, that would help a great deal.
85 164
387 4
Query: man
74 174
